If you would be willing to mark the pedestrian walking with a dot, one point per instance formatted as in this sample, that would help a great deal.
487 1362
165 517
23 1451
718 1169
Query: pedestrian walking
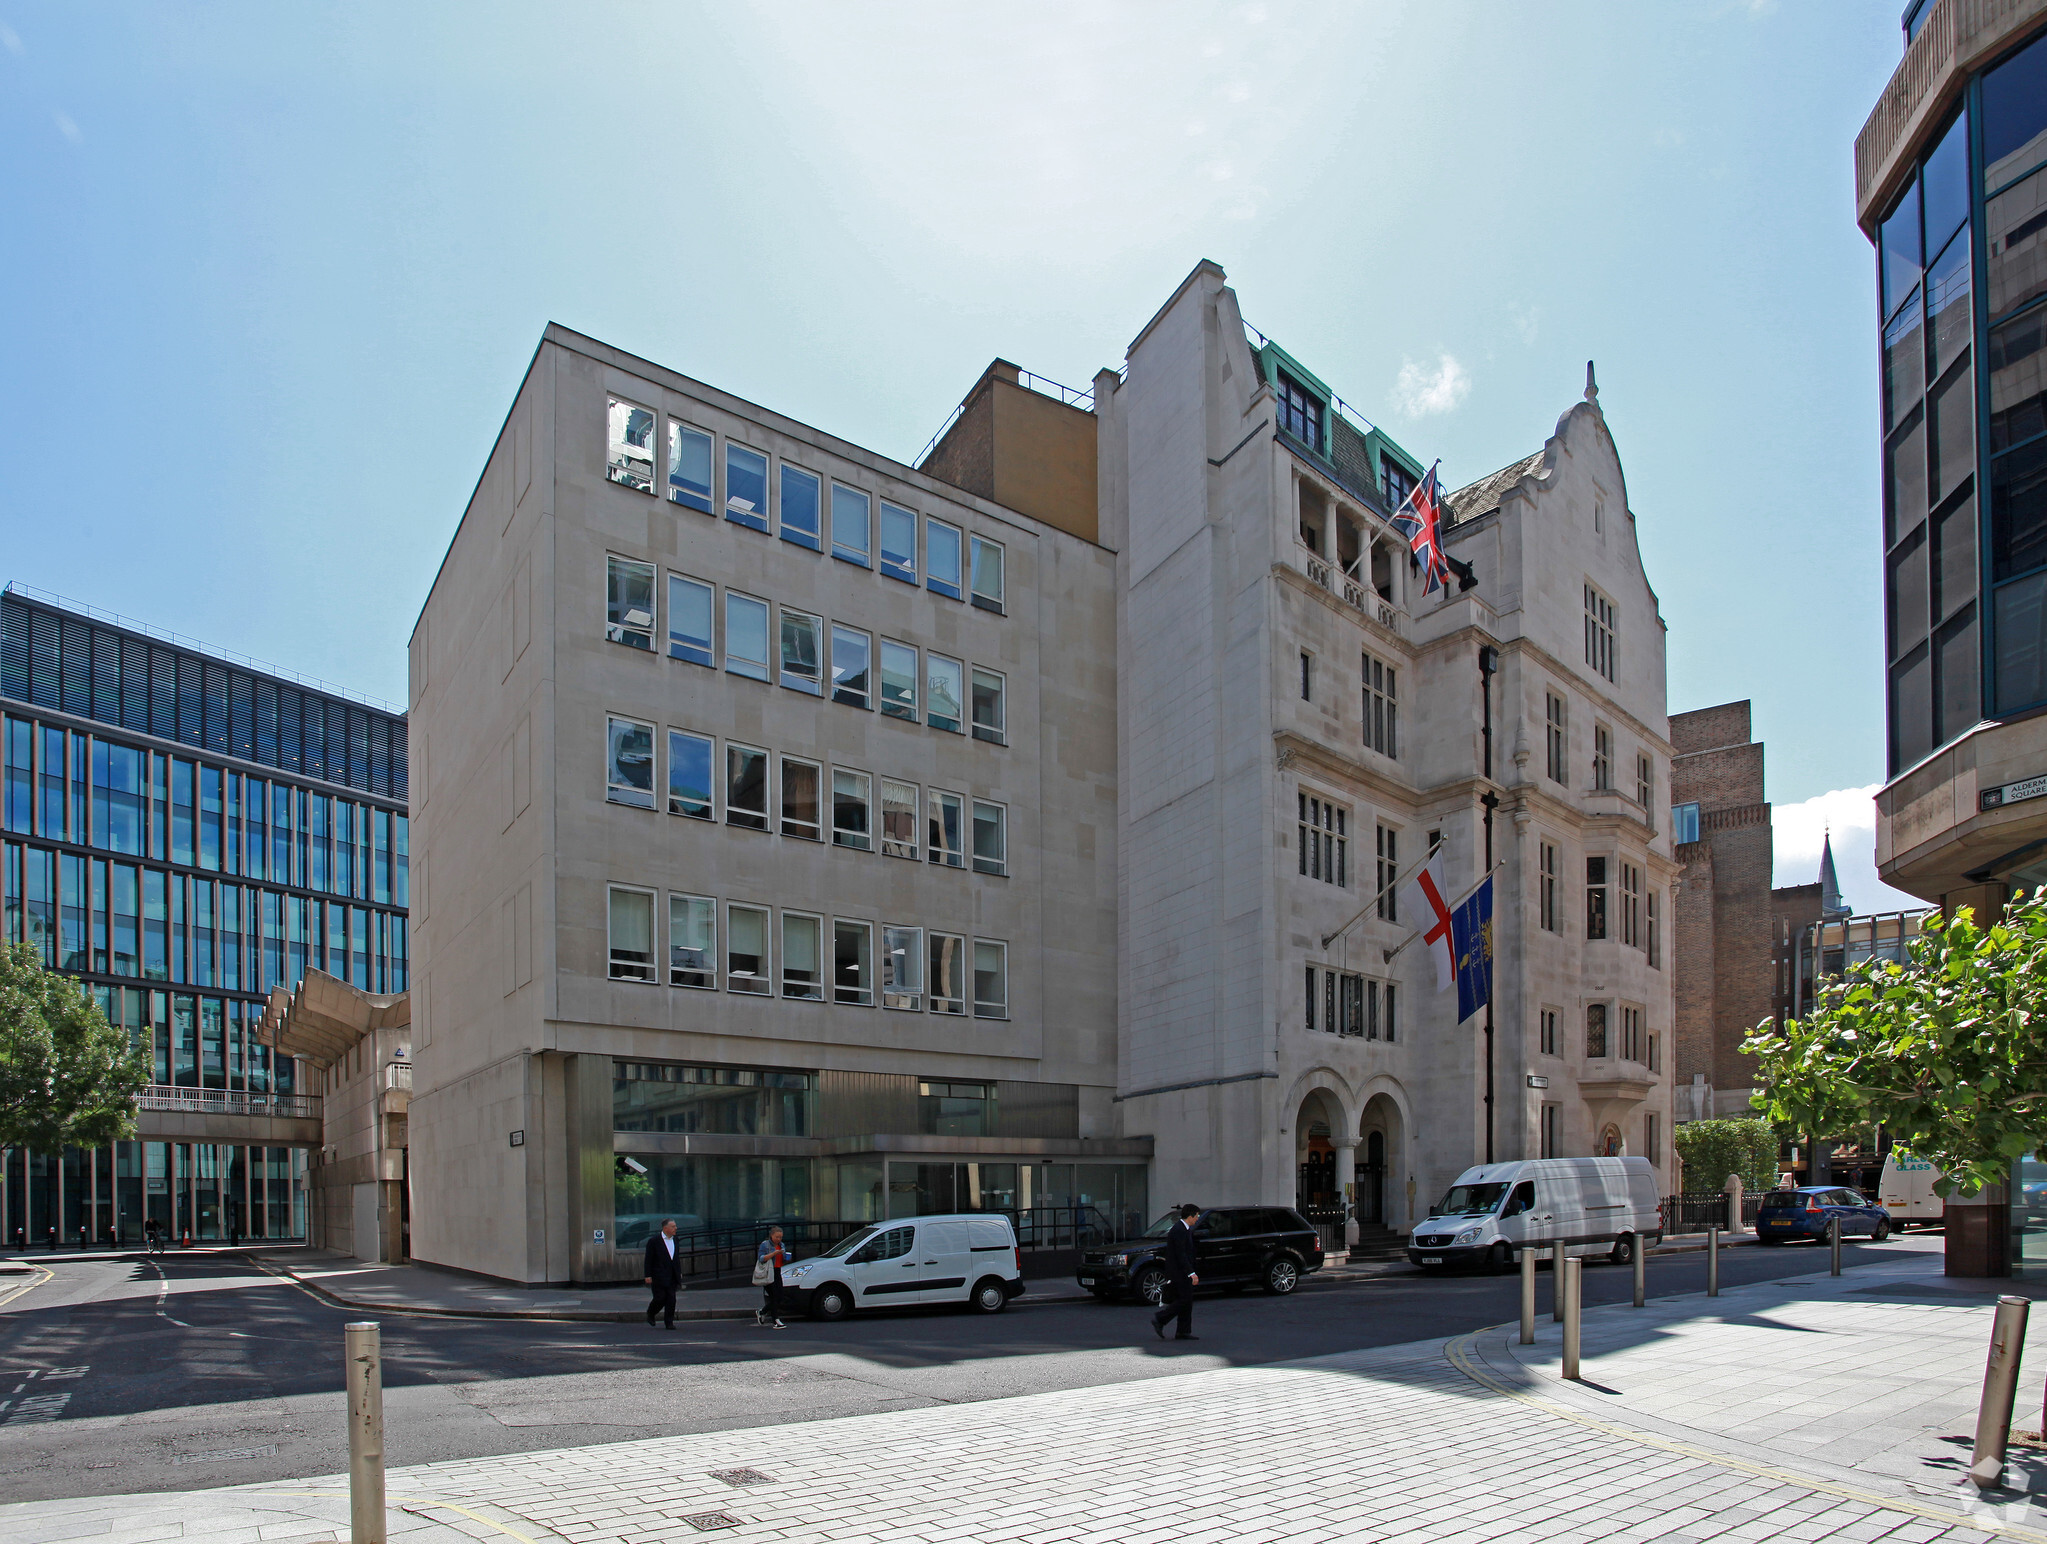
1181 1279
664 1274
767 1275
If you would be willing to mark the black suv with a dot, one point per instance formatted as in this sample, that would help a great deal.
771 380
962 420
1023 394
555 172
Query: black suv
1234 1247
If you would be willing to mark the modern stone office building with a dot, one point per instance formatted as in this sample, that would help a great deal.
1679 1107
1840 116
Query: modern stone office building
802 834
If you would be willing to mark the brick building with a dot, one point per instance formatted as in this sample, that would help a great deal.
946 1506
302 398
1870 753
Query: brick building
1727 927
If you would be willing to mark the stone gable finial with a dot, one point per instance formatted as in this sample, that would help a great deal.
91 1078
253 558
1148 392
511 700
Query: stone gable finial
1591 383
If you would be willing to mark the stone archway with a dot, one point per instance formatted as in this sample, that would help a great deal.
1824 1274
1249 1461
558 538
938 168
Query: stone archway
1382 1144
1319 1128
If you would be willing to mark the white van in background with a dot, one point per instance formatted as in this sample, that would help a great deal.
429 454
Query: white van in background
1593 1206
1906 1191
968 1257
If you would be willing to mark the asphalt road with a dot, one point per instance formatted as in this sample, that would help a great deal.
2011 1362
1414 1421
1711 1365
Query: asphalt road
129 1376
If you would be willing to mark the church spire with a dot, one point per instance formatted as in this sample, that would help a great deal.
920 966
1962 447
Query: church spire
1832 907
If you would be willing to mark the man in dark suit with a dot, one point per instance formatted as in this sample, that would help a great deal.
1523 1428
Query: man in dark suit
664 1275
1181 1279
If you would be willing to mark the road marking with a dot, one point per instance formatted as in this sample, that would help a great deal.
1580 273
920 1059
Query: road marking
409 1503
1459 1354
163 1292
26 1287
225 1455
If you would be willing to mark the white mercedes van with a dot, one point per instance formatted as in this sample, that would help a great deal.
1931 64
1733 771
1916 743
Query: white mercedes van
968 1257
1593 1206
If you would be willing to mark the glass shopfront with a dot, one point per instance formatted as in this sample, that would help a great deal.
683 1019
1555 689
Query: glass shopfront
217 1192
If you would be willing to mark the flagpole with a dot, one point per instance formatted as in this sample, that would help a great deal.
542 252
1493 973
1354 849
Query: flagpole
1464 895
1398 879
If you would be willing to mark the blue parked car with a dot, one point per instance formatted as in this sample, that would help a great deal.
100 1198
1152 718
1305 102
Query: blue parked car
1805 1212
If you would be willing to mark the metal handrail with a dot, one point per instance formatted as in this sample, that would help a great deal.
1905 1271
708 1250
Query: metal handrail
226 1101
1043 385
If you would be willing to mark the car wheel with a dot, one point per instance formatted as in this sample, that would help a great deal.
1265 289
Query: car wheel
1282 1275
988 1296
1623 1250
1881 1231
1150 1286
831 1303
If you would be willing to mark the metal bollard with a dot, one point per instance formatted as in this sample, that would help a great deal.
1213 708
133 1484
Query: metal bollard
1834 1245
1556 1283
2000 1384
1528 1297
1570 1289
1641 1273
365 1433
1712 1262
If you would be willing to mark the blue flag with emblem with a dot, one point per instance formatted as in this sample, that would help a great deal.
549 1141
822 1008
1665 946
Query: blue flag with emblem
1471 946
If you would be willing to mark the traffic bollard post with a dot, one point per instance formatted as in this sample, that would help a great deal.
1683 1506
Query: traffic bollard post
365 1433
1528 1297
1556 1283
1834 1246
1570 1287
1712 1262
2000 1385
1641 1273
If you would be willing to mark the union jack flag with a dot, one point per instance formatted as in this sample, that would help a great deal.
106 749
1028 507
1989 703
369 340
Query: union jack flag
1419 519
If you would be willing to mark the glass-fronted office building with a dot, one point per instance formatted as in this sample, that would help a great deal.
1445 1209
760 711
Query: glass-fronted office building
182 832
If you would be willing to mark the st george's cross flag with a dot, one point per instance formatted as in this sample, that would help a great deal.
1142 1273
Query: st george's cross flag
1420 520
1424 897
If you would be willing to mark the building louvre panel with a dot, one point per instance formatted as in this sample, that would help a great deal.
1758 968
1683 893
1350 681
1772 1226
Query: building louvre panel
315 735
267 750
358 748
106 676
14 630
76 645
216 708
337 742
45 657
134 684
191 700
241 719
290 729
163 694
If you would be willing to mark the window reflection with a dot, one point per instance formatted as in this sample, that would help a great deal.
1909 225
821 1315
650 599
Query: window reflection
630 455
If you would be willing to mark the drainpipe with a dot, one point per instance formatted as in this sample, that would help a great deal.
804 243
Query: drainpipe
1488 662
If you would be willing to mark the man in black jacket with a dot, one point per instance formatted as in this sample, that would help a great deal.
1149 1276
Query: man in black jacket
664 1275
1181 1279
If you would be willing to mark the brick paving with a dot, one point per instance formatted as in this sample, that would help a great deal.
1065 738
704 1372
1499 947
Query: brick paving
1800 1410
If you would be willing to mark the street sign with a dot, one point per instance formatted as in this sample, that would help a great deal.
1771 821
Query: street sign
1537 1080
2011 793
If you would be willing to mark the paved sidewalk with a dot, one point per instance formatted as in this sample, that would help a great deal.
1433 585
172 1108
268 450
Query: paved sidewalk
1801 1410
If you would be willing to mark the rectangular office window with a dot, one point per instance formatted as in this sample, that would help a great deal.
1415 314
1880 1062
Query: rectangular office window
990 713
1652 937
852 658
1602 757
689 466
1684 823
1352 1004
1300 414
117 795
18 811
945 682
852 795
802 957
987 574
1382 707
851 538
692 941
629 766
1631 1034
1595 1029
1307 676
629 454
746 487
690 604
948 973
1595 897
902 968
691 758
853 963
1598 633
899 680
1548 1024
746 636
898 819
802 806
746 787
747 968
1645 781
1553 731
631 935
1654 1059
991 838
1313 998
1652 1138
629 603
1387 870
942 568
1552 1120
898 542
991 979
1546 888
1323 831
1631 905
799 507
803 652
947 844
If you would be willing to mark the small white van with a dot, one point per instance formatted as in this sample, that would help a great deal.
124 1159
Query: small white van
1906 1191
1593 1206
968 1257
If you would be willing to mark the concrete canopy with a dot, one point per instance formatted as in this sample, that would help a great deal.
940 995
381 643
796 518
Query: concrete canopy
325 1018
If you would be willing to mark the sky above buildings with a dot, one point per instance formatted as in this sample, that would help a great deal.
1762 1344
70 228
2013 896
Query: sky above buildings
269 275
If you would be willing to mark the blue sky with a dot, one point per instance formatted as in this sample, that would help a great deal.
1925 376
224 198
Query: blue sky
268 275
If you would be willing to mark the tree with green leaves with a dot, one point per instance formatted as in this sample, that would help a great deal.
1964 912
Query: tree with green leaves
1946 1050
68 1078
1714 1149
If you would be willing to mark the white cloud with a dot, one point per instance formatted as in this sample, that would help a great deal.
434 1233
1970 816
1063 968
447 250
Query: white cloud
1798 830
67 126
1528 322
9 39
1424 389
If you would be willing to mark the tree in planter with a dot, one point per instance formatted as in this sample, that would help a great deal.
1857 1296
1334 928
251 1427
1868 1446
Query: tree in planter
1714 1149
1948 1050
68 1078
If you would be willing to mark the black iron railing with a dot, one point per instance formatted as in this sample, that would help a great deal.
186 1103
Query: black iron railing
1707 1209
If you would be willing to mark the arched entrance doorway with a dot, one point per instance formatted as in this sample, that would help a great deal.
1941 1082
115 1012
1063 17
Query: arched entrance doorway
1379 1194
1316 1188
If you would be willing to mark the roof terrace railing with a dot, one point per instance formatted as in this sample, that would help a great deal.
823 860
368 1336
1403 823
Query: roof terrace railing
1044 385
227 1101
